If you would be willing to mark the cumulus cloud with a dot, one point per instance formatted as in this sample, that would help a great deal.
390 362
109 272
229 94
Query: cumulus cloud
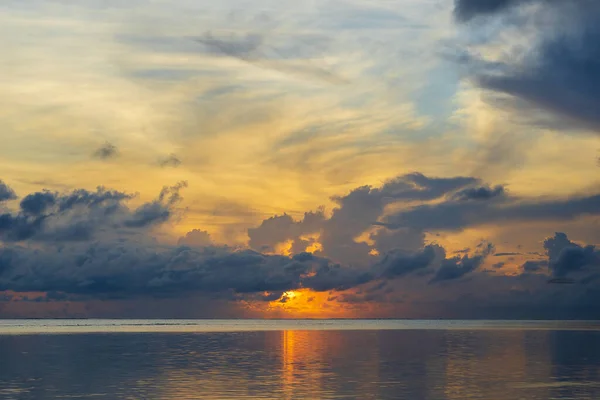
398 263
560 72
6 193
457 267
106 151
196 238
81 214
126 269
77 246
355 213
568 258
157 211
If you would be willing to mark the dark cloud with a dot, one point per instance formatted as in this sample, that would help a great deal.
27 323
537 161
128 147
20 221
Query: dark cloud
282 228
355 213
80 214
361 209
479 193
82 197
128 270
534 266
561 74
465 10
170 161
196 238
458 267
453 214
157 211
82 246
397 263
38 203
566 257
6 193
106 151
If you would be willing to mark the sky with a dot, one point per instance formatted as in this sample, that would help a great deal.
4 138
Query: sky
277 159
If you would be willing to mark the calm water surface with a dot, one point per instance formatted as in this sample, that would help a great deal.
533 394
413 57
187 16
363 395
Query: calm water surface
299 360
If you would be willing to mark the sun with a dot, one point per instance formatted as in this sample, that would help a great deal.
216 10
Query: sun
305 303
290 295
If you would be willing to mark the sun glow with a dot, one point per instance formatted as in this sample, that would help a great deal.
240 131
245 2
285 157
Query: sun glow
308 304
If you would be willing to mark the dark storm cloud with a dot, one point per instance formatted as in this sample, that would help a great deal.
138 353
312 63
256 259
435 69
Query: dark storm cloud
6 193
170 161
80 214
561 74
106 151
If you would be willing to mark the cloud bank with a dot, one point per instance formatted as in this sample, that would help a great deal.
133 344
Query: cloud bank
79 246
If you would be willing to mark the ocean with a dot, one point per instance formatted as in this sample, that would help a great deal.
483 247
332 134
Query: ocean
299 359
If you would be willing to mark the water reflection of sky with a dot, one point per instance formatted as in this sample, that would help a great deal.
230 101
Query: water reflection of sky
304 364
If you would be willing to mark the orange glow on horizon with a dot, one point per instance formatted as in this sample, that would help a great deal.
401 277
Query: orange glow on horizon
305 303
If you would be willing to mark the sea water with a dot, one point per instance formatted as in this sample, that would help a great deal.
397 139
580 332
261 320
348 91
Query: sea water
299 359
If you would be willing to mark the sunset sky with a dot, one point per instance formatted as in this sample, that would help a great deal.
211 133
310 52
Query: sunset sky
330 158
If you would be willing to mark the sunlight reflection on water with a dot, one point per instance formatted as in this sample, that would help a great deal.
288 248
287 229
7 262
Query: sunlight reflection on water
305 364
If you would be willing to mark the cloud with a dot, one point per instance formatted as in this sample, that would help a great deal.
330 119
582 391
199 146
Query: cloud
38 203
81 214
77 246
534 266
282 228
458 267
355 213
196 238
567 258
559 73
452 214
106 151
170 161
479 193
127 269
465 10
115 265
6 193
399 263
254 49
157 211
